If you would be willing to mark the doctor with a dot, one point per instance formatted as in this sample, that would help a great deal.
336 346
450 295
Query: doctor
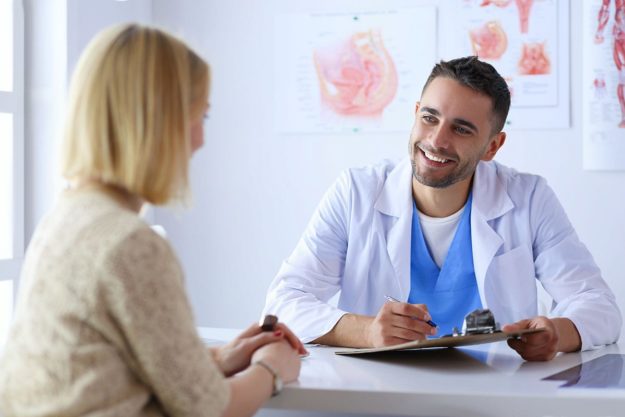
446 230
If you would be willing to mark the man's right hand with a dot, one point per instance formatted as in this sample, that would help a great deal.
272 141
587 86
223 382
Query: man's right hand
398 323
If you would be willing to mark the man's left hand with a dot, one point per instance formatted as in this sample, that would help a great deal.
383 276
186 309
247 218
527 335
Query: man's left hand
541 346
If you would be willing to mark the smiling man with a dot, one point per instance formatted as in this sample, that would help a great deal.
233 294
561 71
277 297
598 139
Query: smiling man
445 231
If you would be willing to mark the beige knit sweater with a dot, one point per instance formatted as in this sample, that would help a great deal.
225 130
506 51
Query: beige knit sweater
103 326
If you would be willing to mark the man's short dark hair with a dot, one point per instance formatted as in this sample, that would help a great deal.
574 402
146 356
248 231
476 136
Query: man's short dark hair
481 77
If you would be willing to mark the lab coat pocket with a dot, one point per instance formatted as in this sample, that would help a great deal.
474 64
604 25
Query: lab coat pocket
512 285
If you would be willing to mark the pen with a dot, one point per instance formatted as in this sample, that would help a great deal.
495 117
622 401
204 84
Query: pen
395 300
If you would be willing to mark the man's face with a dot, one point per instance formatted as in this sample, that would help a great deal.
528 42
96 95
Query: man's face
451 134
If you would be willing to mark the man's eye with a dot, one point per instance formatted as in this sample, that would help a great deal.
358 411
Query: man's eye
463 131
428 119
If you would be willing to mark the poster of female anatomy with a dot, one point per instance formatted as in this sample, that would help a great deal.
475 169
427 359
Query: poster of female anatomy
527 41
604 84
357 72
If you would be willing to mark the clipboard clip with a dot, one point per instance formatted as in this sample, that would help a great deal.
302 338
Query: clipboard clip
479 321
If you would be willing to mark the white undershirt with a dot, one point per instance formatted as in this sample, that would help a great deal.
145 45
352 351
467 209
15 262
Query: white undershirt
439 233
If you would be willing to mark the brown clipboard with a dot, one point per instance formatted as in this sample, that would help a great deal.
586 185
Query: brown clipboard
444 342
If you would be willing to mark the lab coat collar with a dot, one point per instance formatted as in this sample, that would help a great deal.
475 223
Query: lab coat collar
490 201
395 201
396 196
490 195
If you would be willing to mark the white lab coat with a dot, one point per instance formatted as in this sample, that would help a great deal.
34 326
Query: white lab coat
358 243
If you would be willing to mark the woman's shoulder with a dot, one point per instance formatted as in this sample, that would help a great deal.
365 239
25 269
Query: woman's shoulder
94 229
103 222
125 238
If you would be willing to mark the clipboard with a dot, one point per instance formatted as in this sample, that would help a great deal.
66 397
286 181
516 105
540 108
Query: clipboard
444 342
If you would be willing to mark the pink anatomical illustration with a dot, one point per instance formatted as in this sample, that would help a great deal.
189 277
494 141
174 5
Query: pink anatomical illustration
599 87
523 7
357 76
489 41
618 31
498 3
534 59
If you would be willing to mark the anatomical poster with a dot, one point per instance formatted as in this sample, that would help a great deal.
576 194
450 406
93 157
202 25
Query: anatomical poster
527 41
604 84
351 72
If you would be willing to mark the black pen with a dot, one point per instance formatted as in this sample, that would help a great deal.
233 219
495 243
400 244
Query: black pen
395 300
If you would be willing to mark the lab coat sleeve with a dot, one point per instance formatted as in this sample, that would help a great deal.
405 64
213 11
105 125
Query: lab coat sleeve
569 274
311 276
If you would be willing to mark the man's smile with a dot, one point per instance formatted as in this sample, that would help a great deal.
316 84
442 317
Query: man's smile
435 159
432 157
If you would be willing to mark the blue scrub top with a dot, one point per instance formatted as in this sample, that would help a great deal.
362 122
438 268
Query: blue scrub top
450 292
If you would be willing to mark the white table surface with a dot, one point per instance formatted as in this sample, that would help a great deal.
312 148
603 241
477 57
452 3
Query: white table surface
486 380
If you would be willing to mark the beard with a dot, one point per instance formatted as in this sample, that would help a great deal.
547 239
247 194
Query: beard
463 170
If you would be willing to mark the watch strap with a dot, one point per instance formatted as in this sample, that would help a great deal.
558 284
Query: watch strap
277 381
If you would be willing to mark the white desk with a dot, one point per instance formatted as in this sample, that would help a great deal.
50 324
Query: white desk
477 381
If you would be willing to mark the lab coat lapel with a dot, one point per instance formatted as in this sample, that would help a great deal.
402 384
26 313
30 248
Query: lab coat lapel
395 200
490 201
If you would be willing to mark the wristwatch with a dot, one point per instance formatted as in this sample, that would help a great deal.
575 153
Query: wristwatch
277 381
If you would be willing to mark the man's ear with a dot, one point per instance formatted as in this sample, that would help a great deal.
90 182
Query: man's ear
416 107
496 142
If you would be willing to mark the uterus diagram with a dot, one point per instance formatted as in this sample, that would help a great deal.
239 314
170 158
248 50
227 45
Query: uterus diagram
489 41
357 75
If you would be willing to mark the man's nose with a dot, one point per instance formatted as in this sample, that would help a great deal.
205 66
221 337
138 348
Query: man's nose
439 138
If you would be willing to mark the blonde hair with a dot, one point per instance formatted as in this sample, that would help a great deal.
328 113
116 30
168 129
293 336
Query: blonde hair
133 96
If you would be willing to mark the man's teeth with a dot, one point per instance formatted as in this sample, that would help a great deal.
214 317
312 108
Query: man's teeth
434 158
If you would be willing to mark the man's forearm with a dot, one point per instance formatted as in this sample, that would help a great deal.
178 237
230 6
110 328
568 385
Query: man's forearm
350 331
569 339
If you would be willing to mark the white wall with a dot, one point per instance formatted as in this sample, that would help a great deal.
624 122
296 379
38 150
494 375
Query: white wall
255 190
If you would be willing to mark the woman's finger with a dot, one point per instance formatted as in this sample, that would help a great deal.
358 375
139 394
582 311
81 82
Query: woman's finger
253 330
292 339
255 342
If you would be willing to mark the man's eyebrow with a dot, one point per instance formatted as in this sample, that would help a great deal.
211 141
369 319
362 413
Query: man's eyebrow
430 110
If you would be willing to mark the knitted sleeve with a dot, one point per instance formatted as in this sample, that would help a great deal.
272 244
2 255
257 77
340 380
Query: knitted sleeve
148 303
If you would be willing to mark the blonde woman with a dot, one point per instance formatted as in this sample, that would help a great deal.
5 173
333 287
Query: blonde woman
103 326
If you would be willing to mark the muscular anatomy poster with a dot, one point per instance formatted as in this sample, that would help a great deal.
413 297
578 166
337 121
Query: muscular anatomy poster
604 84
351 72
527 41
